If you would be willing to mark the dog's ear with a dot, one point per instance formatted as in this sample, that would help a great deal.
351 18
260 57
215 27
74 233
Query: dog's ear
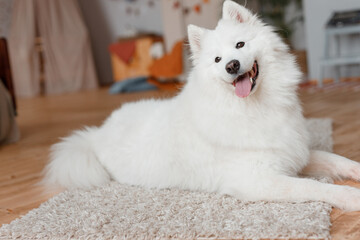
234 11
195 35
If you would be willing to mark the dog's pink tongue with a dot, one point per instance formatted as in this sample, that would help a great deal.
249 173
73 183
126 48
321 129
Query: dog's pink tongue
243 87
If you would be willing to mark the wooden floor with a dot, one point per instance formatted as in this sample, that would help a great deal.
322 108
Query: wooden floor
42 120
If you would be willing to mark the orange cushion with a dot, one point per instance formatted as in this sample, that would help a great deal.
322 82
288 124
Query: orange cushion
170 65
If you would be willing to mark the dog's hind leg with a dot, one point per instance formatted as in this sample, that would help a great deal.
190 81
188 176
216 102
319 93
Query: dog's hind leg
325 164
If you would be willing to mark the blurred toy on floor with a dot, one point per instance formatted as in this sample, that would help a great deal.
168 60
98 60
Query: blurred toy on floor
139 64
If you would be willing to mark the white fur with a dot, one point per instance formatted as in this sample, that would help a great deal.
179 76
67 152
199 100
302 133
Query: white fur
209 139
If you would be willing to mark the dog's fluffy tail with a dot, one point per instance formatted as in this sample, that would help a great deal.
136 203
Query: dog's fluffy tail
74 164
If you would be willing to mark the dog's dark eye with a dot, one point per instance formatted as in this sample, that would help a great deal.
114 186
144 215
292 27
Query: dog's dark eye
240 45
217 59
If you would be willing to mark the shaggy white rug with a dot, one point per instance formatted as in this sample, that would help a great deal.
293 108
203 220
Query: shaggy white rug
119 211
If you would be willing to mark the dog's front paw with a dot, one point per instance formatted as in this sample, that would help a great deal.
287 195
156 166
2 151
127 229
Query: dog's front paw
353 171
349 200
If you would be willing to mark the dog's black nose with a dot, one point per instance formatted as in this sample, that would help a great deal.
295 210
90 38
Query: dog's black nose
233 66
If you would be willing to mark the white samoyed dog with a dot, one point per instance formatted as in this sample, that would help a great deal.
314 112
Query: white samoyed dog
236 128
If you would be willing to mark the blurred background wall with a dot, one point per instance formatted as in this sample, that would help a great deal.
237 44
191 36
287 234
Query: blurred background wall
109 20
317 13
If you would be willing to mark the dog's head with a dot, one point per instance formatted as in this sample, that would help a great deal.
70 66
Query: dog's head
236 55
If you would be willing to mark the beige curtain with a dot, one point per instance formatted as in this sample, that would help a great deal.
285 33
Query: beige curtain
68 59
23 57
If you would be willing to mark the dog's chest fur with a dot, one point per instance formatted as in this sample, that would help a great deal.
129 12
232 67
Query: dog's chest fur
222 133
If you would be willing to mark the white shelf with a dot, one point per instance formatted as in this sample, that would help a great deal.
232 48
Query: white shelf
340 61
333 33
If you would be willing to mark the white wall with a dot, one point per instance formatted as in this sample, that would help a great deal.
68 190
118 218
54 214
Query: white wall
317 14
120 22
175 22
107 21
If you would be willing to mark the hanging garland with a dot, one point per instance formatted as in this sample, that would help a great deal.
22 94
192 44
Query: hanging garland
135 10
197 7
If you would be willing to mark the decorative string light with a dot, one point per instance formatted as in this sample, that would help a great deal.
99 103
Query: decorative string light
197 7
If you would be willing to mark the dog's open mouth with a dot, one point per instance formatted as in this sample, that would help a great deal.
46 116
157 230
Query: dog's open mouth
246 82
